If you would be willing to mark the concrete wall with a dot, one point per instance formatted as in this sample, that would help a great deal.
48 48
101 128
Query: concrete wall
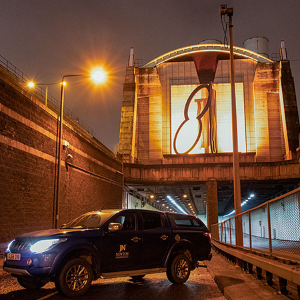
149 117
133 202
28 143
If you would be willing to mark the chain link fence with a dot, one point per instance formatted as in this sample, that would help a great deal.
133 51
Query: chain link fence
273 227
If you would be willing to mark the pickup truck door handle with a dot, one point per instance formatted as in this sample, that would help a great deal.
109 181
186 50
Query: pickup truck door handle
164 237
135 239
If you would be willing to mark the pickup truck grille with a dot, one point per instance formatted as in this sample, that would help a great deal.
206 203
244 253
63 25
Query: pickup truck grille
18 246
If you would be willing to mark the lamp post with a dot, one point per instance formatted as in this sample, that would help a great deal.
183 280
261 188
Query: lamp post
98 76
236 167
31 84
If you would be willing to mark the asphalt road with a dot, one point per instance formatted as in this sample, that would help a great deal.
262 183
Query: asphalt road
156 286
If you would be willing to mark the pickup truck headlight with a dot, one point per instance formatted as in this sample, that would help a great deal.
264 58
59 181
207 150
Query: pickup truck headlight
45 245
8 246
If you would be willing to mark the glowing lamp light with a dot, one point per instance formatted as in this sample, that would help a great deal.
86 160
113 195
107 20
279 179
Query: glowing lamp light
43 245
152 196
176 204
99 76
31 84
8 246
242 204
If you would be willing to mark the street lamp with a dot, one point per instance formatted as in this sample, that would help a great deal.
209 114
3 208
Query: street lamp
31 84
99 76
236 166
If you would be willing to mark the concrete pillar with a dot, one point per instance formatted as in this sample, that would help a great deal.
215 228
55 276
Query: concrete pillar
211 202
128 117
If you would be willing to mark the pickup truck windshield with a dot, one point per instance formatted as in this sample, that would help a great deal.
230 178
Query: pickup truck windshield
87 221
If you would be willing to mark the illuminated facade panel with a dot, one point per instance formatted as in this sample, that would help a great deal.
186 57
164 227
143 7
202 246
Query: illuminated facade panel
173 74
181 105
223 112
187 135
244 72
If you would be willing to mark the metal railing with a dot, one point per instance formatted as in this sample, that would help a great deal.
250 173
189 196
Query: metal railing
272 227
54 103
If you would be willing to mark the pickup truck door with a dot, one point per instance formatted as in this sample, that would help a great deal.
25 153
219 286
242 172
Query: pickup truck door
121 250
156 239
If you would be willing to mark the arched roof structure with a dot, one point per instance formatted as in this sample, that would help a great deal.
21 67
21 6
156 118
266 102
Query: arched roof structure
180 53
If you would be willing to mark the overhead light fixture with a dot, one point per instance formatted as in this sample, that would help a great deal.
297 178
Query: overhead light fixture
242 204
176 204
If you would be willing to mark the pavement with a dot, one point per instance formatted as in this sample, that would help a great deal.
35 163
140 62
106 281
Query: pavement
236 284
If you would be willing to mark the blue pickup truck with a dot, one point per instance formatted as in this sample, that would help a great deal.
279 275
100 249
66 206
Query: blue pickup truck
109 243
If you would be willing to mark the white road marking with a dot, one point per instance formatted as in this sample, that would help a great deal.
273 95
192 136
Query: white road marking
48 296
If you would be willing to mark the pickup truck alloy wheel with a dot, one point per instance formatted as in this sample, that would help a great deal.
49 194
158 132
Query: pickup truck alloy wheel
179 269
75 278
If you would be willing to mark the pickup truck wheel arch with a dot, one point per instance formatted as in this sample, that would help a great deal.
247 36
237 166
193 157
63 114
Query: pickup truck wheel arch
86 253
183 247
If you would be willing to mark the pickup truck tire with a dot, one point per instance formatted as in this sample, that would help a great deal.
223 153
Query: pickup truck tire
179 268
30 283
75 277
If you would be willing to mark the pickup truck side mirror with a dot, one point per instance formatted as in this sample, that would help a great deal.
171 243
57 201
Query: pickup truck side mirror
113 227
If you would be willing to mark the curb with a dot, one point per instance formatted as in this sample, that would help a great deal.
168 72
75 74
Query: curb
236 284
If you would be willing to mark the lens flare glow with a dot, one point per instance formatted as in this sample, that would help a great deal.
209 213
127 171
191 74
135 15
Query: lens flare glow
99 76
43 245
31 84
8 246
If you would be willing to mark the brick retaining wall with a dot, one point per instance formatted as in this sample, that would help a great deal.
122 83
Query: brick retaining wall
91 179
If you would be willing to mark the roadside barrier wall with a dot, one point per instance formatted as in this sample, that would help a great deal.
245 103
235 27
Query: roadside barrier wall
91 175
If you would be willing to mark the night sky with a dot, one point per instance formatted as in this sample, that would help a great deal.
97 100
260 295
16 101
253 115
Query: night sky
47 39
